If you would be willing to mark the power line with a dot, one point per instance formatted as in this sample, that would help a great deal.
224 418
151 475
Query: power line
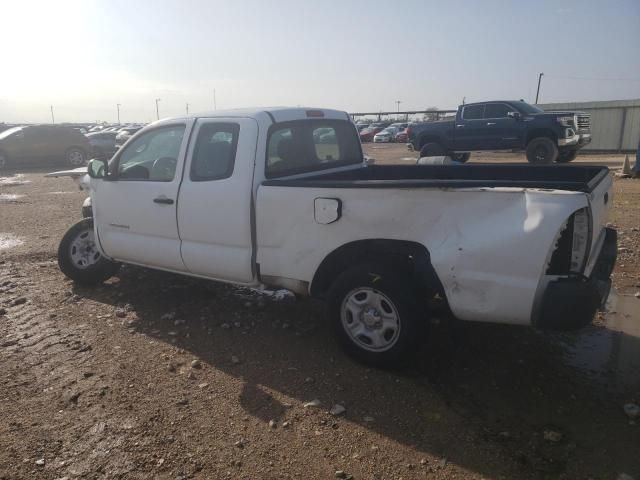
597 79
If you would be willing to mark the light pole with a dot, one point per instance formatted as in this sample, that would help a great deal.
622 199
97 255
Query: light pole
53 120
538 92
157 109
215 107
118 108
398 102
187 109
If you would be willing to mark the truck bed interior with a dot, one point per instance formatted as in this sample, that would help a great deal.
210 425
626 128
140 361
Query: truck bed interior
576 178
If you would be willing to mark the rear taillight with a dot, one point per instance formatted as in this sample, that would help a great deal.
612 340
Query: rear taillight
571 249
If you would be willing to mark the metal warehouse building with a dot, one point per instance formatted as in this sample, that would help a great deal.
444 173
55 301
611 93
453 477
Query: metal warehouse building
615 124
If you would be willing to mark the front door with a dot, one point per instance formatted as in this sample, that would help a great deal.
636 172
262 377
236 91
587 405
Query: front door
135 210
215 203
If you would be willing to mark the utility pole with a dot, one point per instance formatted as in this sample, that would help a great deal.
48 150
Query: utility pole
187 109
118 108
538 92
215 107
53 120
398 102
157 109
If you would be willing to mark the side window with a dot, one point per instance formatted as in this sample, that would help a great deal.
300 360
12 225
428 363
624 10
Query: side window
153 156
215 152
325 142
473 112
497 110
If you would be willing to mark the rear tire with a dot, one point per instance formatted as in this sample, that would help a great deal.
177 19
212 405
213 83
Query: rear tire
432 149
79 258
542 150
76 157
376 315
567 156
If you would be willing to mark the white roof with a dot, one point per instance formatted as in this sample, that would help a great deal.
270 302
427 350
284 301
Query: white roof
279 114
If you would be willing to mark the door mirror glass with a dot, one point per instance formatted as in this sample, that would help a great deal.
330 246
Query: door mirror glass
97 168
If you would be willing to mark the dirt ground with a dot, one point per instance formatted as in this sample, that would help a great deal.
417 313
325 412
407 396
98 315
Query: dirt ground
154 375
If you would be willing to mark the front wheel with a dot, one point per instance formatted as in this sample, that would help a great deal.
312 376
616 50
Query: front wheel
567 156
542 150
79 258
376 315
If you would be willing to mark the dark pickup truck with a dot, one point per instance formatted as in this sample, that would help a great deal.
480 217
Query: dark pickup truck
546 137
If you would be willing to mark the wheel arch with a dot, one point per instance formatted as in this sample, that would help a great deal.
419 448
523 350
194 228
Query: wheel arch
412 257
431 138
541 132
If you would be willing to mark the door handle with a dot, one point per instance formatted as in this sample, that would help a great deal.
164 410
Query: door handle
163 200
460 126
491 123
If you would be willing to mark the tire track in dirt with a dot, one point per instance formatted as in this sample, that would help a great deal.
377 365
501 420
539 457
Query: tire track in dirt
50 375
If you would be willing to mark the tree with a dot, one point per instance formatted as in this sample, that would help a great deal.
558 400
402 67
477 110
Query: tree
431 116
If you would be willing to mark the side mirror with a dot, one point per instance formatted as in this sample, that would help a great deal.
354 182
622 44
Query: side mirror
98 168
514 115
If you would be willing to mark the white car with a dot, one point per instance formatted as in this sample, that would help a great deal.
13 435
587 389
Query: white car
385 136
257 197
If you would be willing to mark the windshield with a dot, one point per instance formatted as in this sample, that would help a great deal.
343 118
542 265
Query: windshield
310 145
9 132
524 107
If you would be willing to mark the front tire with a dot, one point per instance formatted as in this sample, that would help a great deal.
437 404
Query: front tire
542 150
376 315
567 156
79 258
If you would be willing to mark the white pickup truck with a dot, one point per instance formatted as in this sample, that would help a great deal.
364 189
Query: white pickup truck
283 197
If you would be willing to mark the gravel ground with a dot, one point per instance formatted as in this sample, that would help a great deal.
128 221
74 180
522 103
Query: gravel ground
154 375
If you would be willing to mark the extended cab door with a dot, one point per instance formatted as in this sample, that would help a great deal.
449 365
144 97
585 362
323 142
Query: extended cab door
501 131
469 127
215 203
135 210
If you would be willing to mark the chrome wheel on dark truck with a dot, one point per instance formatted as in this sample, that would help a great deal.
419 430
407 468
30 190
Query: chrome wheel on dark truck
76 157
542 150
79 258
376 315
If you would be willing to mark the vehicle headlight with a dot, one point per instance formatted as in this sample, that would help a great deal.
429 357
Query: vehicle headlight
565 121
571 249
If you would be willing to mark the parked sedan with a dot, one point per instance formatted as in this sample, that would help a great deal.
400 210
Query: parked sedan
402 137
103 143
43 145
385 136
367 134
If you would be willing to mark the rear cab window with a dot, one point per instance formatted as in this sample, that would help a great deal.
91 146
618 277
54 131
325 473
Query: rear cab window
310 145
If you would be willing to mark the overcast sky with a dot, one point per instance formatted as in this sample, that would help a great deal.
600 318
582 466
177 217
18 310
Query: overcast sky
84 57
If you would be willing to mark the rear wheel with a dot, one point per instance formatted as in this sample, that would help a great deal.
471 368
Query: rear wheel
76 157
79 258
567 156
542 150
376 315
432 149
